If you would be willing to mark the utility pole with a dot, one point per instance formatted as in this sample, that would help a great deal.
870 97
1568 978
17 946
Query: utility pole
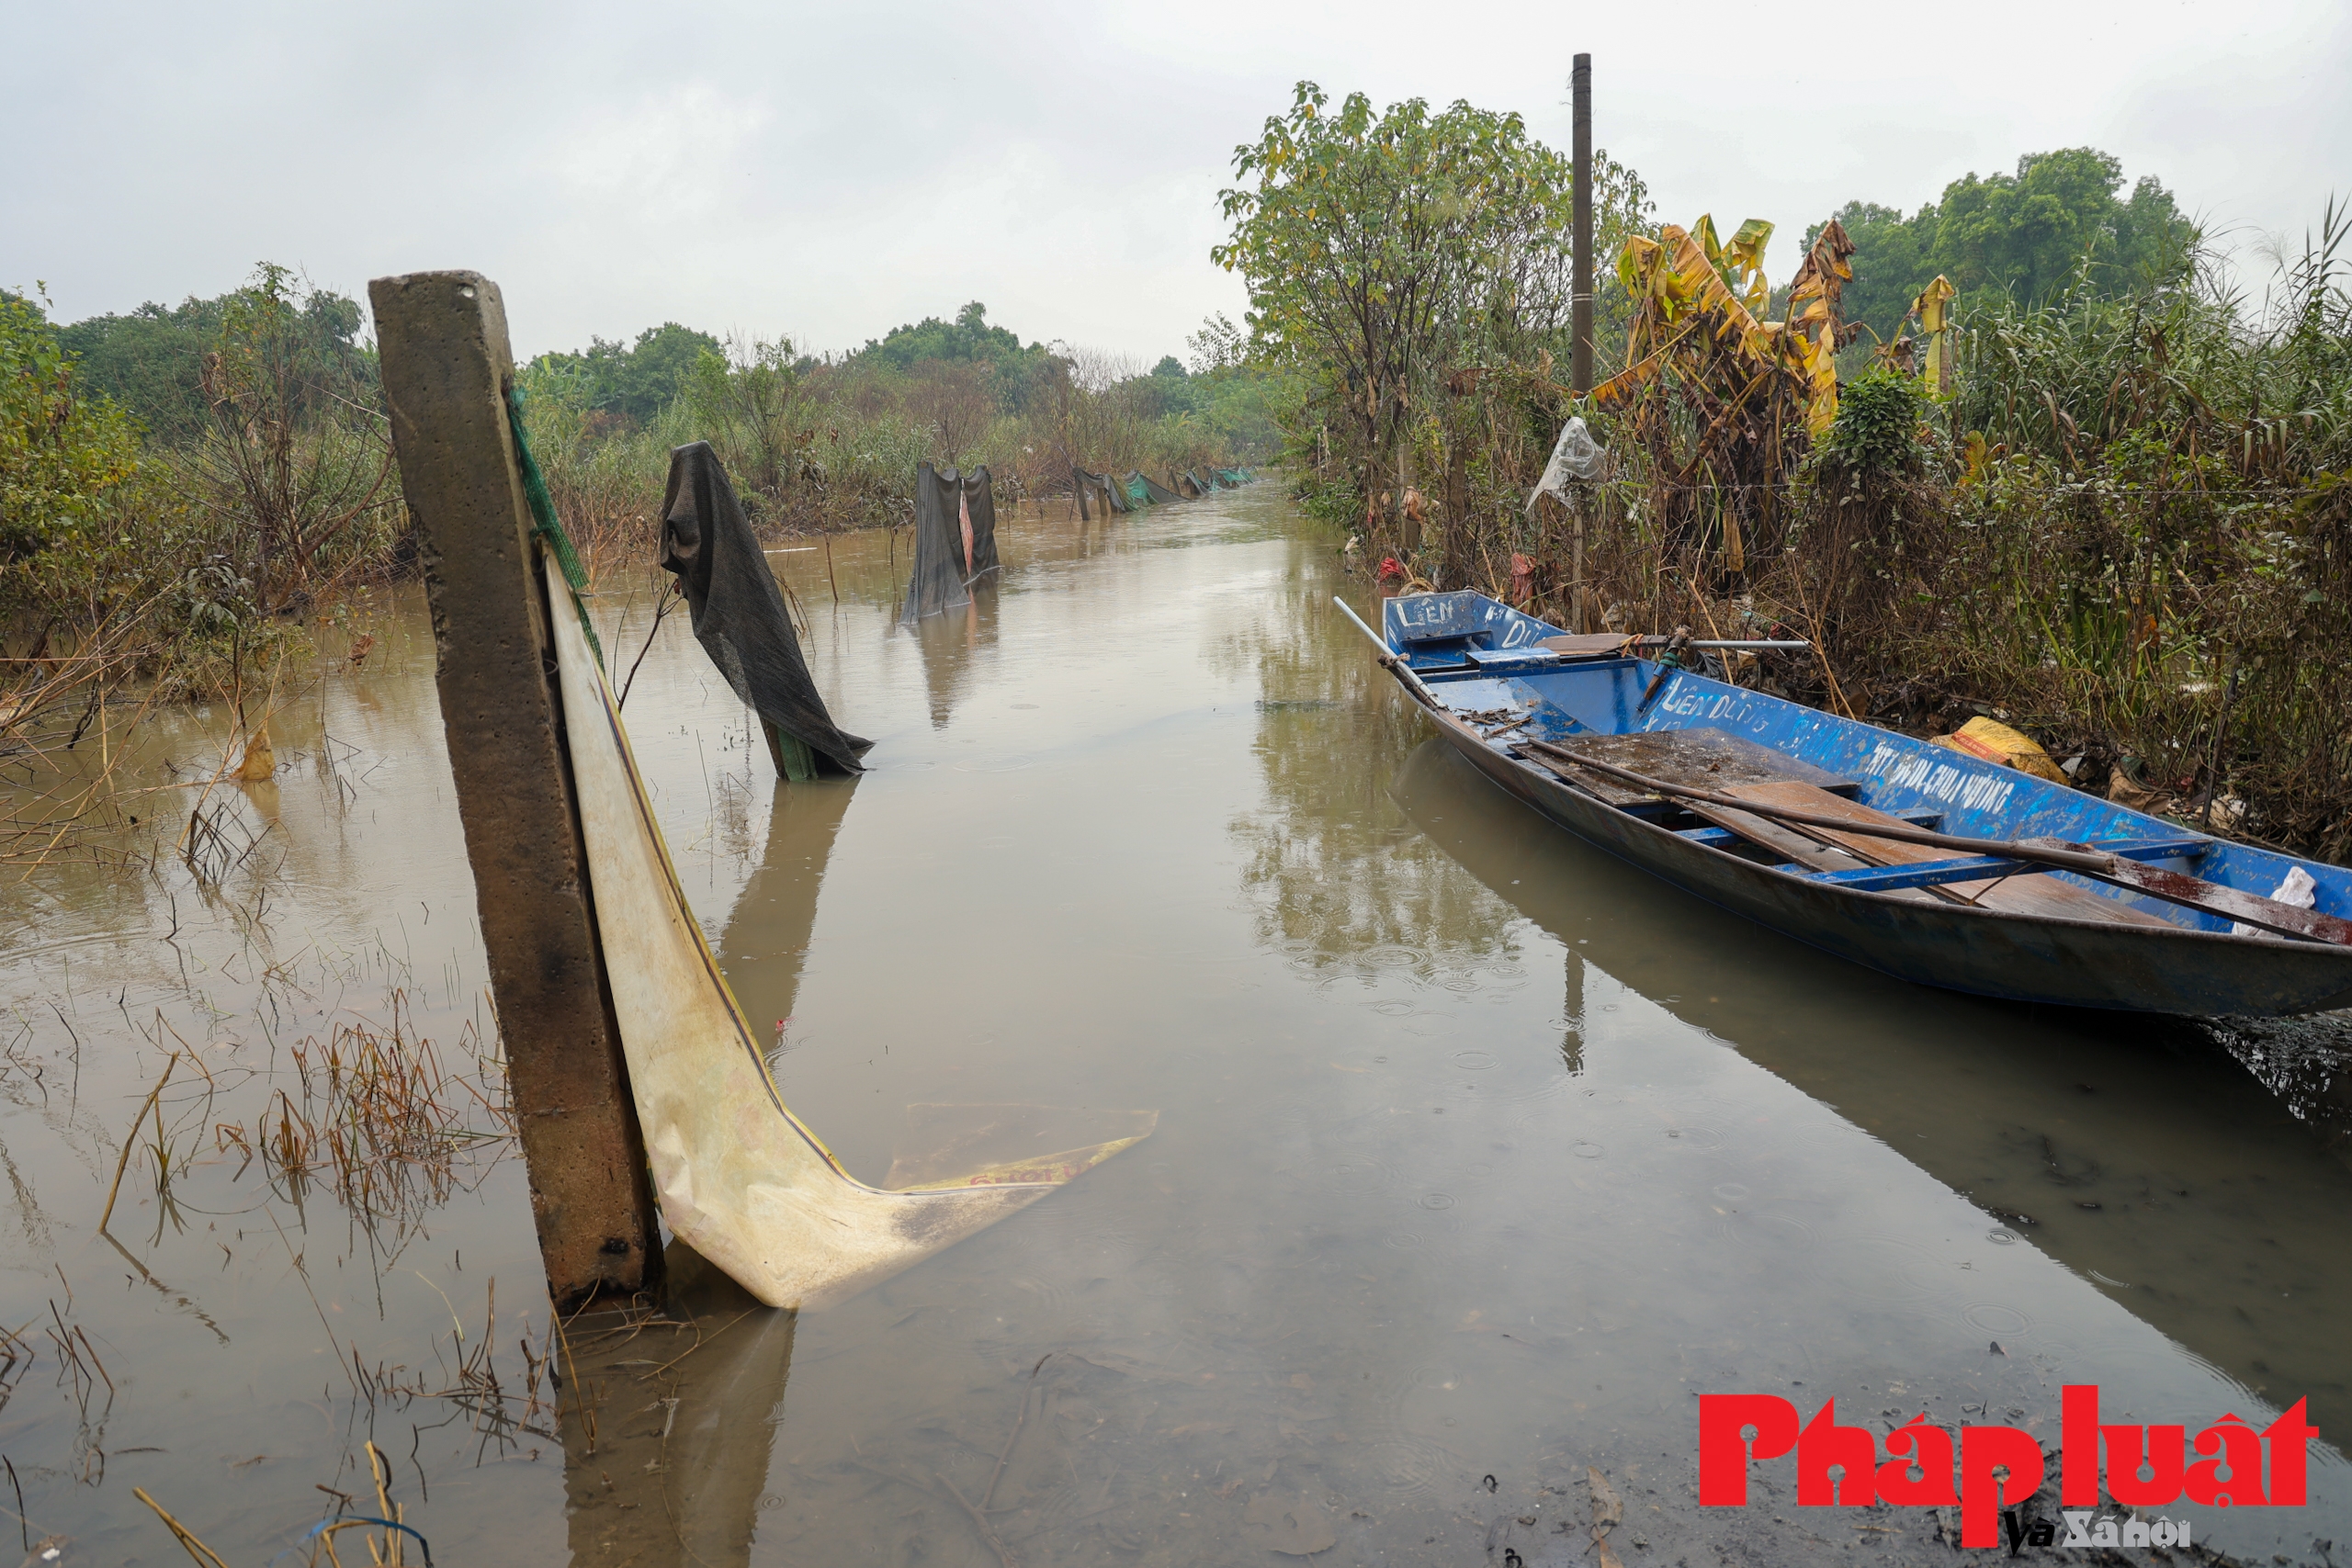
447 373
1580 305
1580 298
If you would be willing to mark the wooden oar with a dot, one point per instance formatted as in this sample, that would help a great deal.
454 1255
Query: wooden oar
2087 862
2232 903
2173 886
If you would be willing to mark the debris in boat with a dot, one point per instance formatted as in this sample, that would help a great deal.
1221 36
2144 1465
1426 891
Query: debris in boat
1996 742
2296 890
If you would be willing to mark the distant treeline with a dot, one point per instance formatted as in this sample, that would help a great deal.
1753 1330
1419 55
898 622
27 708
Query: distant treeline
2060 223
833 442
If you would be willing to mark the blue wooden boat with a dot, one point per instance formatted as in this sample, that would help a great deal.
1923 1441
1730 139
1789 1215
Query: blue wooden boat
1795 818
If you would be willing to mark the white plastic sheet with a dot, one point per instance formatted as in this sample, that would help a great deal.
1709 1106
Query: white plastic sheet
2296 888
741 1179
1575 454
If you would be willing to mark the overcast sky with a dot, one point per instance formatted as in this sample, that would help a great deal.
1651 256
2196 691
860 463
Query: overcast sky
829 172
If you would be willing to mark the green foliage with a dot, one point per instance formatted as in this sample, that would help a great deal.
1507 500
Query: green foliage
1013 375
298 463
968 337
1370 243
1875 437
747 398
2143 540
2059 221
62 448
151 360
1392 259
627 382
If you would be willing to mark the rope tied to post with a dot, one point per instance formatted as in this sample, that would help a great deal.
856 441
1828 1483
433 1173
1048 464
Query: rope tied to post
544 524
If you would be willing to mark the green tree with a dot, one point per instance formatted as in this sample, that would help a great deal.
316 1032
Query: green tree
748 399
627 382
298 467
967 337
2062 215
62 446
151 360
1013 375
1382 251
1169 389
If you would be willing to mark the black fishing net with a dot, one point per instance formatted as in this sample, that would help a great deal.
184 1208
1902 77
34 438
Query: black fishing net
738 613
954 539
979 500
1153 492
1101 488
936 580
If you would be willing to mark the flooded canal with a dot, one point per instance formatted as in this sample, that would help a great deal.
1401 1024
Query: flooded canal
1479 1155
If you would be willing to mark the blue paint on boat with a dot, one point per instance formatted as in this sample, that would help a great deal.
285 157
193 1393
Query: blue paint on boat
1479 657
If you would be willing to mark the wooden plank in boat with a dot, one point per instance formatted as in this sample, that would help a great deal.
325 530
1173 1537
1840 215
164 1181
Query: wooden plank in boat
2024 894
1793 846
1593 645
1703 758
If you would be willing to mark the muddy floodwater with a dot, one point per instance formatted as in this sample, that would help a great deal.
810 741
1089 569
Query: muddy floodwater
1480 1155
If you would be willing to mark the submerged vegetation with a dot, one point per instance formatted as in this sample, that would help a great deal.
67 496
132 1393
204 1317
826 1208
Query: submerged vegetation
2025 452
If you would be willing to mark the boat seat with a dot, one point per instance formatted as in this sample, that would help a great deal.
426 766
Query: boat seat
1827 849
1593 645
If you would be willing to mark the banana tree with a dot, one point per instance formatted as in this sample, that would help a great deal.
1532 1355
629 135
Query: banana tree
1722 401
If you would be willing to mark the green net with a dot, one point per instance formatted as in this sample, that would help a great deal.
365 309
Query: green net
544 522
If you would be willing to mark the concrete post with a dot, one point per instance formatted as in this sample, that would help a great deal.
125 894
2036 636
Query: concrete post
446 369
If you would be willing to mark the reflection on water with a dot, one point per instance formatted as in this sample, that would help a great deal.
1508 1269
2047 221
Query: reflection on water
2137 1152
766 938
1478 1154
949 642
668 1422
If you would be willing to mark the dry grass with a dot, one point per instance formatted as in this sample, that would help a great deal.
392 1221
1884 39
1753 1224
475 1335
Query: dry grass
378 1114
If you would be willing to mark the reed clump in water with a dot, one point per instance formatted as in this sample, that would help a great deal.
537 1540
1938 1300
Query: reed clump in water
376 1114
179 563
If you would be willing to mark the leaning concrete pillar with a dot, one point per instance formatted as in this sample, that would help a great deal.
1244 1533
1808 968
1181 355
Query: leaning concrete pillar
446 369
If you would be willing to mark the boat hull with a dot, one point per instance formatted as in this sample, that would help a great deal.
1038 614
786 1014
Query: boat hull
2086 964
